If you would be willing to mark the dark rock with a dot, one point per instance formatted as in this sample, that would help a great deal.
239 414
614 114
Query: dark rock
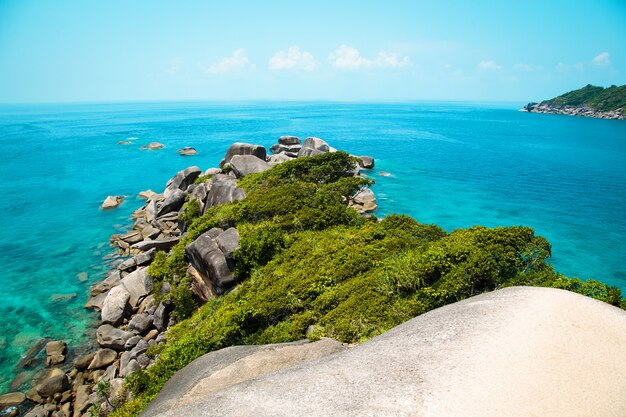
239 148
160 244
223 190
228 242
289 140
111 337
366 162
116 305
162 316
141 323
172 202
132 342
243 165
182 179
289 149
207 258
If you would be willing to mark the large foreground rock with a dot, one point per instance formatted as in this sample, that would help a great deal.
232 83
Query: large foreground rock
223 190
519 351
208 259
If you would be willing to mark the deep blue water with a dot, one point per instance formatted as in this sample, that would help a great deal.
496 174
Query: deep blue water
456 165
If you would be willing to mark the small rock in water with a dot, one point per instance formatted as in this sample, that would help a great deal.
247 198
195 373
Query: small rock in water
112 202
146 195
123 142
56 298
187 151
82 276
154 146
384 174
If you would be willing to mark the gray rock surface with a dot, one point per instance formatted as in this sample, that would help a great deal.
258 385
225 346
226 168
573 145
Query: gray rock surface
309 152
138 284
207 258
103 358
316 143
228 242
291 150
231 366
366 162
515 352
54 381
55 352
223 190
116 305
173 202
243 165
182 180
160 244
239 148
140 323
112 337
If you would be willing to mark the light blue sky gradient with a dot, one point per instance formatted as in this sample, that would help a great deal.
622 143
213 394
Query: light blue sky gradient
65 51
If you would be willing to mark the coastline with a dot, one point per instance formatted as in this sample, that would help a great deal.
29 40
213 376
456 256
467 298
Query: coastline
585 111
90 379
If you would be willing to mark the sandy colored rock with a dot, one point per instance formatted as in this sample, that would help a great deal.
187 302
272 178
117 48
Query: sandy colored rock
11 399
146 195
102 359
112 202
519 351
155 145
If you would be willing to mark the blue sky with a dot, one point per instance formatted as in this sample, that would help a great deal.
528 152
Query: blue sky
67 51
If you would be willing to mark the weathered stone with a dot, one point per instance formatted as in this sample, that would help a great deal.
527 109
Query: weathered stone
111 372
173 202
28 358
187 151
140 323
55 352
132 236
289 140
244 165
96 303
11 399
128 265
37 411
366 162
200 286
111 337
316 143
112 202
223 190
207 258
239 148
149 232
138 284
288 149
182 180
309 152
82 362
228 242
279 158
111 281
199 194
152 334
160 244
162 316
81 402
146 195
145 258
102 359
53 382
364 201
154 146
132 342
116 305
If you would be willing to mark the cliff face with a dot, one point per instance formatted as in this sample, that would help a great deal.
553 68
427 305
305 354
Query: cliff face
590 101
519 351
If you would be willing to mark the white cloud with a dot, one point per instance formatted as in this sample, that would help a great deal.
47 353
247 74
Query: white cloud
237 61
489 65
602 59
175 66
349 58
293 59
524 67
561 67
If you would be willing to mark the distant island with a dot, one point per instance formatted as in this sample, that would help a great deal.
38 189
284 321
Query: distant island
590 101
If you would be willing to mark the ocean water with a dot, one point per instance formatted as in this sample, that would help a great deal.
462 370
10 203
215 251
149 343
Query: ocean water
454 164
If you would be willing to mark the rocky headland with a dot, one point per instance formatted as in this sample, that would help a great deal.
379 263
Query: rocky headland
132 316
589 101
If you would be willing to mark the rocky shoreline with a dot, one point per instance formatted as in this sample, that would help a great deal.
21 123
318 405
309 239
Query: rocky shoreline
581 110
132 316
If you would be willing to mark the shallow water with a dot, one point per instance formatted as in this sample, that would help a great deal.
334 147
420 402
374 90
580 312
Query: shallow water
453 164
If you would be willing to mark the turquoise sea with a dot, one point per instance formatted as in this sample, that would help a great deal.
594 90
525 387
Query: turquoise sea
454 164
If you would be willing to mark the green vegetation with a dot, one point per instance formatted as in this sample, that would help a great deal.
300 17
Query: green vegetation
311 267
598 98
